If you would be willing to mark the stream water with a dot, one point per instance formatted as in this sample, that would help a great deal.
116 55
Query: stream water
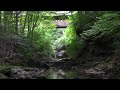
55 73
59 71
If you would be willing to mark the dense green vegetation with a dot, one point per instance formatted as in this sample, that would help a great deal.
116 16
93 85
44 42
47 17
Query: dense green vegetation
90 40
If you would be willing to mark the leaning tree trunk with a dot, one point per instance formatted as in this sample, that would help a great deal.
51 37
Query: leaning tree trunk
30 16
25 23
5 20
28 34
0 21
16 20
34 25
0 17
16 23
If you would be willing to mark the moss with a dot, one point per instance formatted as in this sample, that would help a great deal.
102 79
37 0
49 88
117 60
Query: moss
71 74
2 76
5 69
51 74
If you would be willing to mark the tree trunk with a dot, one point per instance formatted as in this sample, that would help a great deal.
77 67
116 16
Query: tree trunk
16 23
34 25
5 20
0 21
0 17
25 23
29 24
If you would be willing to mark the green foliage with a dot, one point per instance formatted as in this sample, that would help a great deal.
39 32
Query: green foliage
80 21
26 52
107 25
90 25
83 20
116 41
60 42
72 42
42 37
42 41
116 44
57 38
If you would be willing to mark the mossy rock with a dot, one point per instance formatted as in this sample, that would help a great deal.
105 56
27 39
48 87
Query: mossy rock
71 74
6 71
2 76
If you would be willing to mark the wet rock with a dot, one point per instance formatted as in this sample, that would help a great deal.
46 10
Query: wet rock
27 73
22 77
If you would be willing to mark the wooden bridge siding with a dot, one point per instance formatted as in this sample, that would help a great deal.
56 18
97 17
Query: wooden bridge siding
61 23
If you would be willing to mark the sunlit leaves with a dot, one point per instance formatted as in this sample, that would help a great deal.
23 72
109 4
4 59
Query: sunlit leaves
72 42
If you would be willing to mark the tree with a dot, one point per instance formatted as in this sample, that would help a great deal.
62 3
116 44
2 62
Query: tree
16 21
25 20
35 19
0 17
0 21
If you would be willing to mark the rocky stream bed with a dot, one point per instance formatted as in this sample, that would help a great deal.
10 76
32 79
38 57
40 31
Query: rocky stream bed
57 70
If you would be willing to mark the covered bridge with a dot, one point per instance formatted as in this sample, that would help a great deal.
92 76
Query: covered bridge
61 23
